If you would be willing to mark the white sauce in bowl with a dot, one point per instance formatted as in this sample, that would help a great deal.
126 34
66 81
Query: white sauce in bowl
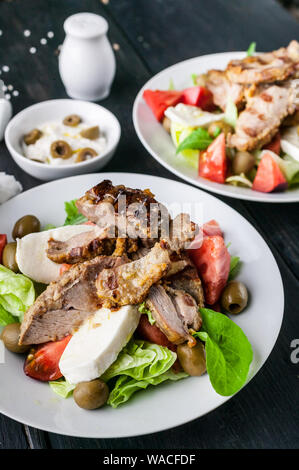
56 130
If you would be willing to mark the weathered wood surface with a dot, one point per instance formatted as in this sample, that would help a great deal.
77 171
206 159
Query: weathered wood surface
152 35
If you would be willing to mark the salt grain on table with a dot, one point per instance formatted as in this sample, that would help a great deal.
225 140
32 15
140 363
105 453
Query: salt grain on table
27 33
5 68
43 41
7 96
1 32
10 87
15 93
32 50
50 34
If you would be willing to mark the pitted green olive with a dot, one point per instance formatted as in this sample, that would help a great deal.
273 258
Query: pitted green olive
61 149
85 153
91 133
25 225
91 395
243 162
192 360
32 136
72 120
10 337
234 297
9 257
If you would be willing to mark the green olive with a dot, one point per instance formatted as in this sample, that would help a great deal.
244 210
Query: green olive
10 337
192 360
9 257
219 126
72 120
25 225
234 297
61 149
243 162
91 395
84 154
91 133
166 124
32 136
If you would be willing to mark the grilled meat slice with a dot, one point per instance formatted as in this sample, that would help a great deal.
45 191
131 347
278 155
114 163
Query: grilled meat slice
186 308
181 233
166 316
127 211
265 68
63 306
265 110
222 88
189 281
129 284
80 247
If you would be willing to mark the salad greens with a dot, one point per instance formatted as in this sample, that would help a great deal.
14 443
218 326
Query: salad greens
139 365
235 266
231 113
171 85
73 217
62 388
251 49
289 167
228 352
193 78
142 309
16 295
198 139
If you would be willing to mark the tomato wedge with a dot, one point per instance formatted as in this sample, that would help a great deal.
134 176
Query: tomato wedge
199 96
160 100
269 177
274 145
212 260
42 363
212 162
3 241
211 228
152 333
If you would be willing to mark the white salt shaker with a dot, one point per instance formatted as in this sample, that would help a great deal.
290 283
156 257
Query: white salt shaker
86 61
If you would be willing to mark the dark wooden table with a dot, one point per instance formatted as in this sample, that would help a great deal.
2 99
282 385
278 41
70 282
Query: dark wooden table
152 35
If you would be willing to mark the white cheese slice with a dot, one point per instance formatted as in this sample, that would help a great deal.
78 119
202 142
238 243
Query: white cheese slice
97 343
191 116
290 149
31 253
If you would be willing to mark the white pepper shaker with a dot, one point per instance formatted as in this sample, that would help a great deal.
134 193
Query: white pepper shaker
86 60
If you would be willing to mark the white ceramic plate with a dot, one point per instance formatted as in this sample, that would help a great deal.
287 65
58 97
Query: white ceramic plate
164 406
159 144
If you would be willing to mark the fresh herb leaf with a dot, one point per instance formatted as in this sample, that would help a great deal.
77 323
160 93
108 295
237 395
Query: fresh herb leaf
251 49
73 217
217 131
198 139
231 113
6 318
62 388
171 85
235 266
228 352
142 309
193 78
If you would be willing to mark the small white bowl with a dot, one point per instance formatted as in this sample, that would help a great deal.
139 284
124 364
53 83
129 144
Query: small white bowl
36 115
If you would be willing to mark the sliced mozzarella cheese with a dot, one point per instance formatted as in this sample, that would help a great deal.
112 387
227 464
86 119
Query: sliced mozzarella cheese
31 253
290 142
191 116
97 343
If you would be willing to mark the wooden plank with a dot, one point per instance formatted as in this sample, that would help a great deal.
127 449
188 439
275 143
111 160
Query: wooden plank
12 435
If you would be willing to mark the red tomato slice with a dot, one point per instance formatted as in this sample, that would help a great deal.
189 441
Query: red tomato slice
274 145
3 241
160 100
89 223
213 263
152 333
199 96
212 162
64 267
42 363
269 177
211 228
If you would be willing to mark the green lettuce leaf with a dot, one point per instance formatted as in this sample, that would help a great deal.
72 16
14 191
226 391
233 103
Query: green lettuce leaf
73 217
193 78
228 352
17 294
231 113
251 49
171 85
139 365
125 386
62 388
235 266
142 309
198 139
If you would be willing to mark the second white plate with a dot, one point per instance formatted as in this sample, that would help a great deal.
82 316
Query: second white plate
159 144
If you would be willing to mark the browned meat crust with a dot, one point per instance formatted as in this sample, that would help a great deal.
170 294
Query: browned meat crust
64 305
129 284
222 88
189 281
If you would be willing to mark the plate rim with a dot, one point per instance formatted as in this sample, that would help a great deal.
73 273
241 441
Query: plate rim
224 399
200 184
